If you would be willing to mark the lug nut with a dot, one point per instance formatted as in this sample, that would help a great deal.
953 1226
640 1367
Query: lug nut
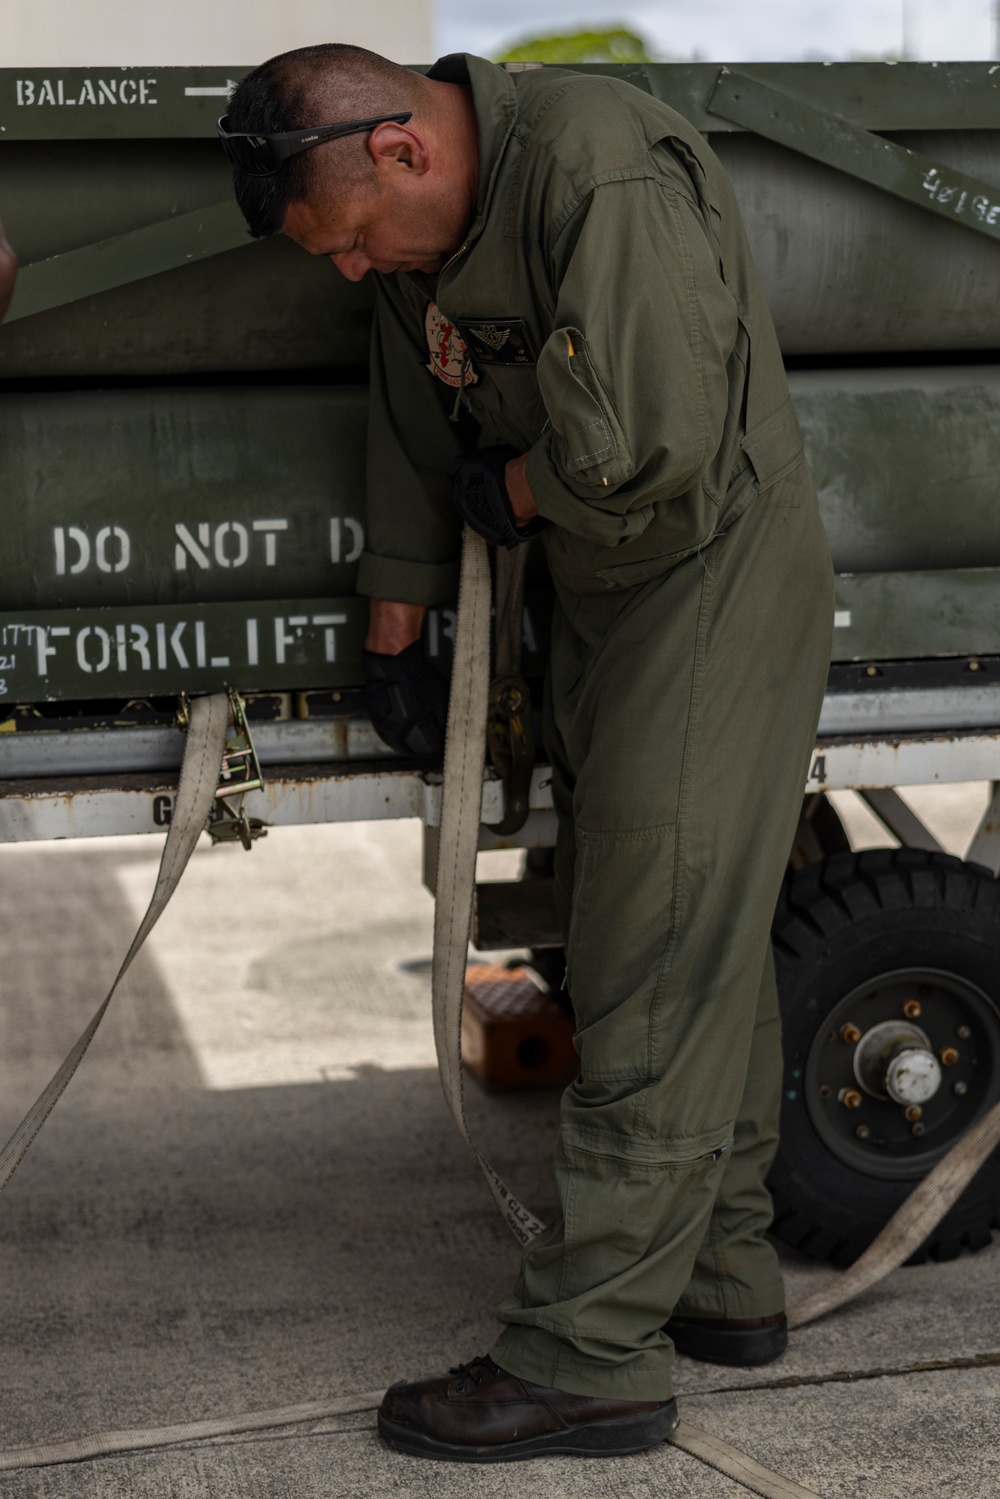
964 1033
912 1009
850 1033
961 1088
913 1113
917 1129
862 1132
850 1098
949 1056
824 1090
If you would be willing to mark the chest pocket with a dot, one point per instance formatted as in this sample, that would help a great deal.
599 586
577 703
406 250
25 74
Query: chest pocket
592 446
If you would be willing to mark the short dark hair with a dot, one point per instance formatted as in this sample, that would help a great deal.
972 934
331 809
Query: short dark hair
345 82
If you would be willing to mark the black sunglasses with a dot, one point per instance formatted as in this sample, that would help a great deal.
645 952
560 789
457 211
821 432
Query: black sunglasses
262 155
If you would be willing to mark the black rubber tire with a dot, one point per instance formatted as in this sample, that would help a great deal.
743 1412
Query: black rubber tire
829 829
839 925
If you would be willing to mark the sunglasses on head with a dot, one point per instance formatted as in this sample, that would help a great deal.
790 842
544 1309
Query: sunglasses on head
262 155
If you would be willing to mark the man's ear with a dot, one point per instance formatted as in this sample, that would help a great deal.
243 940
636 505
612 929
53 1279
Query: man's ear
395 149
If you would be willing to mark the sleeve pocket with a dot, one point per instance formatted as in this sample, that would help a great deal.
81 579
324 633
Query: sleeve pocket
591 443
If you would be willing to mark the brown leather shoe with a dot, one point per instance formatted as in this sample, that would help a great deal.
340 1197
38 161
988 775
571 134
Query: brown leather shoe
481 1414
741 1342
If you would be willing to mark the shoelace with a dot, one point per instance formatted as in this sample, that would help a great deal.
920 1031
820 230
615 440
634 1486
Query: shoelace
467 1371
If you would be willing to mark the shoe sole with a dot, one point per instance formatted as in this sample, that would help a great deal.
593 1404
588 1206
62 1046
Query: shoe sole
737 1350
591 1439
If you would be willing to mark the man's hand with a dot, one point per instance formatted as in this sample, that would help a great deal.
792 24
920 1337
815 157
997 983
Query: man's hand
406 698
392 627
8 273
522 501
484 500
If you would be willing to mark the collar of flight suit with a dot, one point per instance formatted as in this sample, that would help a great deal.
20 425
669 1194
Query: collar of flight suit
494 99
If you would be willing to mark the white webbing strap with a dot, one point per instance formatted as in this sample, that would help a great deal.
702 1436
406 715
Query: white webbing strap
911 1223
461 803
203 747
746 1470
145 1438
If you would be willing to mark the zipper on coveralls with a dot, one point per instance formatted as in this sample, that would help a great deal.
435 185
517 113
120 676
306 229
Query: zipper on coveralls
466 356
460 397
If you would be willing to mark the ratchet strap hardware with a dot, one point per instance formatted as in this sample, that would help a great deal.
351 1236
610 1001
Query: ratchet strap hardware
232 825
240 773
512 747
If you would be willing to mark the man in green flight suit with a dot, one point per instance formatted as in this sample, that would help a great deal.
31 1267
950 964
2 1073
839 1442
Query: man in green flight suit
570 340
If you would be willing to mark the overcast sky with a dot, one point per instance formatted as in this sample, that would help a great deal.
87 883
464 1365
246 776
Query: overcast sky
735 30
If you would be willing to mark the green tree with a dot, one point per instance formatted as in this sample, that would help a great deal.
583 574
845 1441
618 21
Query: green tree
617 44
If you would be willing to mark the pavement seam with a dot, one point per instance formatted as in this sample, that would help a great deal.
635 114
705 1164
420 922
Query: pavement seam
263 1424
850 1376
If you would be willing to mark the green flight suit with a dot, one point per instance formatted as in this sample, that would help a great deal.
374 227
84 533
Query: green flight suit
604 317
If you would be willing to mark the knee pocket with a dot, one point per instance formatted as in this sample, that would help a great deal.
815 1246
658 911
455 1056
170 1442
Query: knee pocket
597 1149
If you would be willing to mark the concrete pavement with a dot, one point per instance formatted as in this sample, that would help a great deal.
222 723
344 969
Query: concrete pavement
252 1195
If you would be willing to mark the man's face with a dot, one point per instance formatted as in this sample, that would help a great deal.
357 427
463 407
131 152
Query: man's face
411 206
366 233
402 223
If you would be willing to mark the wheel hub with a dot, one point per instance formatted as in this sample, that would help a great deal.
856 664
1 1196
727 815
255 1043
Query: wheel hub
888 1095
894 1060
913 1076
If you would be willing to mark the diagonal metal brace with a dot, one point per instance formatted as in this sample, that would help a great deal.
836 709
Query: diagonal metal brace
128 257
904 824
928 184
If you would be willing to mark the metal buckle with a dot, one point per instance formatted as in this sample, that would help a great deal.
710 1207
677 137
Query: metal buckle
232 825
240 774
240 767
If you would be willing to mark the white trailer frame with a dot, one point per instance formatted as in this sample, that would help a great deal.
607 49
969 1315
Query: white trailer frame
335 771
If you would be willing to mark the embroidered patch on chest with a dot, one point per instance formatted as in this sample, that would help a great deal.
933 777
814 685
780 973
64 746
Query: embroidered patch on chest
499 340
450 359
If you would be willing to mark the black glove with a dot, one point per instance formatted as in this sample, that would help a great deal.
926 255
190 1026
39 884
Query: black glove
407 700
480 496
